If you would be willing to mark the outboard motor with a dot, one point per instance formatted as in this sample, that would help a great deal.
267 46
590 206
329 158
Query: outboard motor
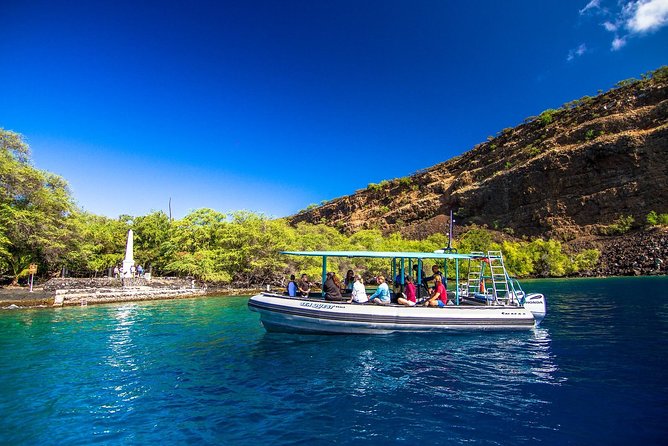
537 304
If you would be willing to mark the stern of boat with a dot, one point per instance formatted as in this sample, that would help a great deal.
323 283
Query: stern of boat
537 304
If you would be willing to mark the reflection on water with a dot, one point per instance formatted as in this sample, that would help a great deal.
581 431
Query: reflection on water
205 372
404 381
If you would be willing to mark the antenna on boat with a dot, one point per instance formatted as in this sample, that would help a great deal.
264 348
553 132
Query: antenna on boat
450 249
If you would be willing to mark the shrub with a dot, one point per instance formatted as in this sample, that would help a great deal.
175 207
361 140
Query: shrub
655 219
585 260
621 226
547 116
660 73
548 258
533 150
626 82
405 181
476 239
509 231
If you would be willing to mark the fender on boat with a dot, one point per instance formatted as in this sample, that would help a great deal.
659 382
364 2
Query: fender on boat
536 303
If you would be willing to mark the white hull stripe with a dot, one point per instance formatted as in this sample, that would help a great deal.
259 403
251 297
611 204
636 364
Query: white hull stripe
393 319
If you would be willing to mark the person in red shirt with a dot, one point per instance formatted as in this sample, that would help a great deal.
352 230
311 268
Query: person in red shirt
439 297
410 292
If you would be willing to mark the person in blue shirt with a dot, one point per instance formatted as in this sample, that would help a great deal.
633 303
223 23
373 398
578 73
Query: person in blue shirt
382 294
292 286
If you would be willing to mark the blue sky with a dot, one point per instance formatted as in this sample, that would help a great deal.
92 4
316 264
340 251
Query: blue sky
273 105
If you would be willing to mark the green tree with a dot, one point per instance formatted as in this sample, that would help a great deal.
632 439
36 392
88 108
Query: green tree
548 258
193 247
100 243
585 260
152 234
477 239
36 210
518 259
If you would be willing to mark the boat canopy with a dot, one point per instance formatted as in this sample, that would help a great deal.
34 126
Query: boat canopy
490 263
386 254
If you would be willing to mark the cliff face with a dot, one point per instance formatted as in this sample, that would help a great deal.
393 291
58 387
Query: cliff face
565 174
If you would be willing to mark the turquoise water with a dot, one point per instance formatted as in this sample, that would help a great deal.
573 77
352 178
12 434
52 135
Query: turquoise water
204 371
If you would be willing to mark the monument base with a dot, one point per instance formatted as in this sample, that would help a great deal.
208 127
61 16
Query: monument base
127 268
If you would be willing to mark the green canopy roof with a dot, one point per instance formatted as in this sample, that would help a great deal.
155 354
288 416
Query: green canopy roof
384 254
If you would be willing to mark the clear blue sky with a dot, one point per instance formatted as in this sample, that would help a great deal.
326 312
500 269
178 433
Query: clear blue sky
273 105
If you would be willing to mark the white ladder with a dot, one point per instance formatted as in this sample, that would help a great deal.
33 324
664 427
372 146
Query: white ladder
499 276
475 274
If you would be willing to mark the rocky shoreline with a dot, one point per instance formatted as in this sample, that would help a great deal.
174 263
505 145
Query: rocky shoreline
81 292
638 253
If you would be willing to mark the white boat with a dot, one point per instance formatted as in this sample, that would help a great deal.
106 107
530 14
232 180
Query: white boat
487 299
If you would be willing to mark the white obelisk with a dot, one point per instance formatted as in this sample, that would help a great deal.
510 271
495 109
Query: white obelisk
129 261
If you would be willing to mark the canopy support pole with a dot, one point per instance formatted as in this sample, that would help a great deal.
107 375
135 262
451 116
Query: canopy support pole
457 281
324 274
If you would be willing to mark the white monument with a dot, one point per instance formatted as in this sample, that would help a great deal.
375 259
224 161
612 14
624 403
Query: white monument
128 262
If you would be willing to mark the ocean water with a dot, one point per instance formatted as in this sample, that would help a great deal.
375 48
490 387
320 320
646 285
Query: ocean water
204 371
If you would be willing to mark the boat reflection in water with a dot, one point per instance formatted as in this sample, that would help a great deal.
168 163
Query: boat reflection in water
454 384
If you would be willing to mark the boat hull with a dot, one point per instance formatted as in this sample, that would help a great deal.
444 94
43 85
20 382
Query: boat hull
285 314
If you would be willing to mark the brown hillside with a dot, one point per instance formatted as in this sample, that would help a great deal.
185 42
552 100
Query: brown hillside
565 174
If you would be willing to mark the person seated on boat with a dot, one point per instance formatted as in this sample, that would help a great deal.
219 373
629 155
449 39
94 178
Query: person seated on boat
337 281
415 274
410 291
422 290
398 286
439 297
434 272
349 281
358 294
331 288
292 286
304 286
382 294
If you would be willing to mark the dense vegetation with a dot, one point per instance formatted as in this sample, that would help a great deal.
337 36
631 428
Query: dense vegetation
40 223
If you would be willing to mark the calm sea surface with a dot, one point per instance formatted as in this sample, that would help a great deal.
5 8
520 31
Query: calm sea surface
202 371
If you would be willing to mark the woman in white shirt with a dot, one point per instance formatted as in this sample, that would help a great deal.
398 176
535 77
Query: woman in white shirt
359 292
